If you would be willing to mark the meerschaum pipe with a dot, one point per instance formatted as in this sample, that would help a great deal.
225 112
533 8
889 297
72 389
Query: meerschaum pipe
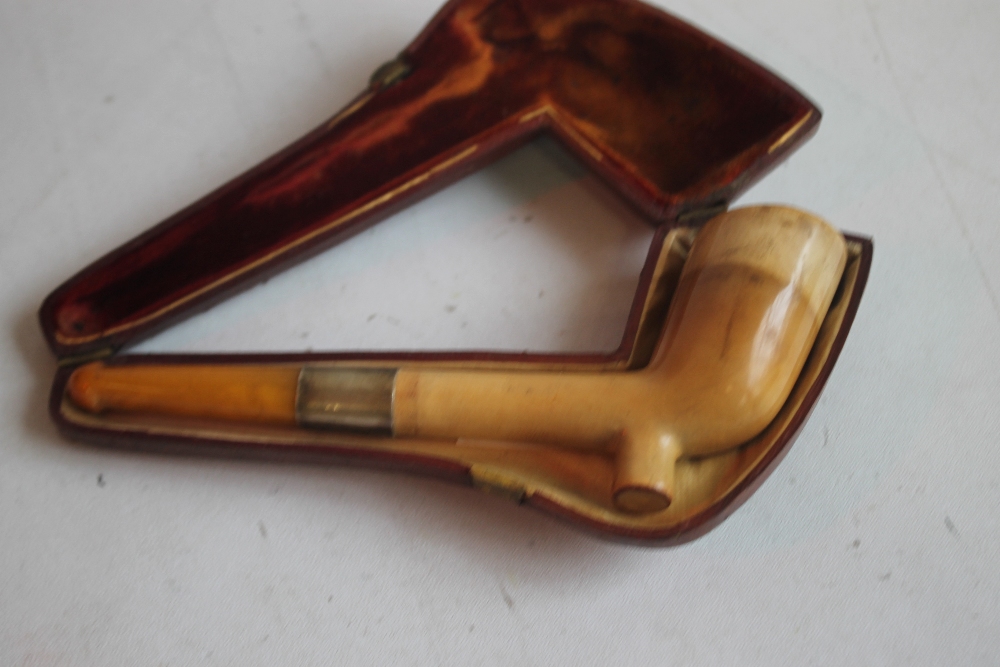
748 306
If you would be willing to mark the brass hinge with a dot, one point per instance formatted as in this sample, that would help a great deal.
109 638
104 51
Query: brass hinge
389 73
76 359
701 215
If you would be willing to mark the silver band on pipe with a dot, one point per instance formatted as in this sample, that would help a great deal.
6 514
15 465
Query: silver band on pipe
349 398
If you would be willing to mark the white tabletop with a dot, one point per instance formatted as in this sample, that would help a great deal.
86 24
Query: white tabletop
876 541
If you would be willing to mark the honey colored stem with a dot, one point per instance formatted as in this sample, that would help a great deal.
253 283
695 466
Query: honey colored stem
263 394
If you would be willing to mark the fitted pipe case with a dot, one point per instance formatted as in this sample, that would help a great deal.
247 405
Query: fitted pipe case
675 122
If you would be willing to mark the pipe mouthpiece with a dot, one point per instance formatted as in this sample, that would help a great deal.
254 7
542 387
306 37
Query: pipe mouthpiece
83 387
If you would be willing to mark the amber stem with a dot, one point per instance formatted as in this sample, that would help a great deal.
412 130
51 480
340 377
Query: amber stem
263 394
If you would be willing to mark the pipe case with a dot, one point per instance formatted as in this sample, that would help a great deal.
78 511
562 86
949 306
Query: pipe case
675 122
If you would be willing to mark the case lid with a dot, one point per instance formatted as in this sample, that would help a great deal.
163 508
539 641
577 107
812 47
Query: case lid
674 121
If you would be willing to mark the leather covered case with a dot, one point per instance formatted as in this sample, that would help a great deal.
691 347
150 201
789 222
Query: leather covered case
677 123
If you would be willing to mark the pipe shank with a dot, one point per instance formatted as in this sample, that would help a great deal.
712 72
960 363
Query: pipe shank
568 409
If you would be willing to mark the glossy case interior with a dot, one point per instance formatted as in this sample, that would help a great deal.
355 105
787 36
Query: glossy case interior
674 121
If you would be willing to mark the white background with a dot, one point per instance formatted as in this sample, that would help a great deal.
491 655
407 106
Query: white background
877 540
